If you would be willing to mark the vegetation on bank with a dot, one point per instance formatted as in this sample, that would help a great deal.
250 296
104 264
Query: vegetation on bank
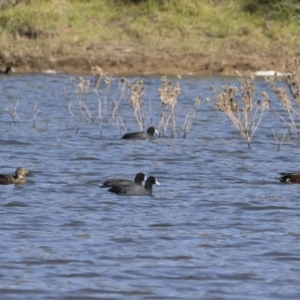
202 26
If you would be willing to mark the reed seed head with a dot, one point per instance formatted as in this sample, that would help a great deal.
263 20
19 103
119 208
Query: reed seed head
282 96
83 85
197 101
168 92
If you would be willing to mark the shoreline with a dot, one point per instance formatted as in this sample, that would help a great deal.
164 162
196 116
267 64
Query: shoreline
123 60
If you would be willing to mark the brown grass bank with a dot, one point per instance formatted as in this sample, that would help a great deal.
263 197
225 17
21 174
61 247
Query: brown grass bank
147 37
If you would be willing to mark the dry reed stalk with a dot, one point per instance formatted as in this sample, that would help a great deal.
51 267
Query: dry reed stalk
69 104
99 76
36 113
98 73
116 102
83 91
81 87
137 95
134 93
14 113
238 105
122 88
289 95
279 142
168 94
190 117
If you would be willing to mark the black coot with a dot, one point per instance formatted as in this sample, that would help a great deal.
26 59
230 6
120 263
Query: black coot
139 178
140 135
135 189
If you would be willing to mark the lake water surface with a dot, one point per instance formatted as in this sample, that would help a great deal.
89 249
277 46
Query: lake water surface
220 225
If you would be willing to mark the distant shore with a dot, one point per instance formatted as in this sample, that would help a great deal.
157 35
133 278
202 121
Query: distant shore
126 60
190 37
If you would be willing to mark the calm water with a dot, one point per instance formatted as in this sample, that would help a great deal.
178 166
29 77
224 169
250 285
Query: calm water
220 225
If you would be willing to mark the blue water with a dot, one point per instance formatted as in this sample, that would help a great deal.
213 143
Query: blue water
220 225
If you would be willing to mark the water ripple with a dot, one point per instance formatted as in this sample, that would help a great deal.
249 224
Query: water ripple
220 225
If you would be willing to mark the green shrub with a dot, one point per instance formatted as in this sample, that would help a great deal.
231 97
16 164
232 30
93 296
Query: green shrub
273 9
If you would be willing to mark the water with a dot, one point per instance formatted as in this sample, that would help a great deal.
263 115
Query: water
220 225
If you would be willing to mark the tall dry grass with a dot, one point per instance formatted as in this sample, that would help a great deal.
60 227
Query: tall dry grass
132 93
287 91
238 104
168 116
82 107
13 112
168 94
136 99
36 113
